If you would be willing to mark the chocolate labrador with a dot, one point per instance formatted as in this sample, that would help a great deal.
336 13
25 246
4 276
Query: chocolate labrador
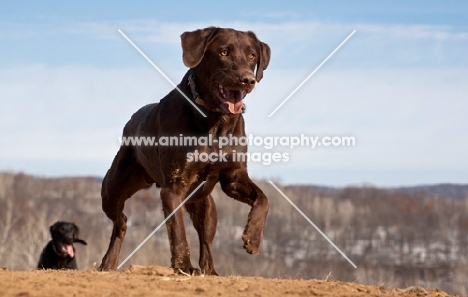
225 65
59 253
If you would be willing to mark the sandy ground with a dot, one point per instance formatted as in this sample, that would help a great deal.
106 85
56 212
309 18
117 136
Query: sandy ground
160 281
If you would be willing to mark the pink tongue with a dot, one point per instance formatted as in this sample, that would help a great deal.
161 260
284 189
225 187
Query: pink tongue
235 107
69 249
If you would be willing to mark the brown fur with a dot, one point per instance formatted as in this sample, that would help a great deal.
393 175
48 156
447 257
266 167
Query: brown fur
216 57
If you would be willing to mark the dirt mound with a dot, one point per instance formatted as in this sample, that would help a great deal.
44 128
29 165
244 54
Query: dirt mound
161 281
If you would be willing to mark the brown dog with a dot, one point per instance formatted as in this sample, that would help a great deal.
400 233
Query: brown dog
222 64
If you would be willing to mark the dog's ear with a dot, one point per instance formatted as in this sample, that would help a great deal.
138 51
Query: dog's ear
53 228
76 234
263 60
194 45
76 231
264 53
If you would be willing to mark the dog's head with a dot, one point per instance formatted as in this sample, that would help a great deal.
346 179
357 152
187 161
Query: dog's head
64 234
226 63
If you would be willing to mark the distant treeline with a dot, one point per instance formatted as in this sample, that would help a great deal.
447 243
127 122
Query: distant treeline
396 236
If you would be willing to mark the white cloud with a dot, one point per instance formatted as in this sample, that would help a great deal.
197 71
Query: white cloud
71 108
403 116
168 32
406 117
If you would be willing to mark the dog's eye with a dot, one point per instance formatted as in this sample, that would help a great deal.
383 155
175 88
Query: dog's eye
251 56
223 53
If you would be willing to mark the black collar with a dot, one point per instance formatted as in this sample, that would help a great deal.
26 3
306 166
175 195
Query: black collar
196 96
193 87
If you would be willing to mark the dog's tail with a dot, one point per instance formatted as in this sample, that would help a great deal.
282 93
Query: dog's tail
80 241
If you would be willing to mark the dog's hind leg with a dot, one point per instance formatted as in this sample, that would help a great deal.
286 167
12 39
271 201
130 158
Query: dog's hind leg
123 179
204 217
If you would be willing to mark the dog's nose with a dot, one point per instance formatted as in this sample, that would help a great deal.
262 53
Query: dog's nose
248 79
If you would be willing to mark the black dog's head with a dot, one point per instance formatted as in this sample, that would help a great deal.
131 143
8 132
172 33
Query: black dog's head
224 61
64 234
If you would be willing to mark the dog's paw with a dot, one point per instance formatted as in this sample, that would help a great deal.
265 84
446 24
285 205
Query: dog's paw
252 246
189 271
107 265
212 272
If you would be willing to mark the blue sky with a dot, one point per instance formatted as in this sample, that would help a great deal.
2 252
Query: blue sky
69 82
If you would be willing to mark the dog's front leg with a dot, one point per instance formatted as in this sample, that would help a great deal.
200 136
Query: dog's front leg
238 185
180 251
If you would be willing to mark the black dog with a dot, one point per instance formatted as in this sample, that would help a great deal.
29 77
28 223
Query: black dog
59 253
